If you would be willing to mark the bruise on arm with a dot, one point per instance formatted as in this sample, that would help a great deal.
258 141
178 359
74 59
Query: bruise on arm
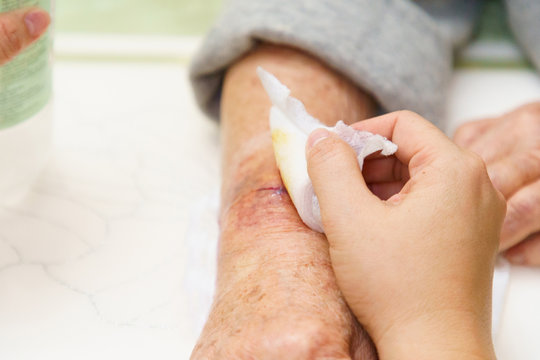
248 160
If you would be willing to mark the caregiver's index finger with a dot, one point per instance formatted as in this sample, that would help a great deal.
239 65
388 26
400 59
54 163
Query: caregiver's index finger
411 132
382 125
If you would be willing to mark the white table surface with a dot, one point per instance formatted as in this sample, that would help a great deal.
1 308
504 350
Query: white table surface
92 262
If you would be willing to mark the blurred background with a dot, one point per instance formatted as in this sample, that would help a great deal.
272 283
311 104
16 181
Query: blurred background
192 18
159 17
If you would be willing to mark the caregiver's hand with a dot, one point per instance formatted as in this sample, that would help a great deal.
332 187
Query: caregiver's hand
416 269
510 146
20 28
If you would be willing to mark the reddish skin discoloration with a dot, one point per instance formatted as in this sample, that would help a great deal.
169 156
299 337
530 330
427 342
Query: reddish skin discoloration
263 202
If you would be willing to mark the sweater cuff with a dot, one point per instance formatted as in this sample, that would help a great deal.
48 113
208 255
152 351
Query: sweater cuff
390 48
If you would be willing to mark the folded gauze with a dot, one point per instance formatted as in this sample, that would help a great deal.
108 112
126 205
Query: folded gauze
291 125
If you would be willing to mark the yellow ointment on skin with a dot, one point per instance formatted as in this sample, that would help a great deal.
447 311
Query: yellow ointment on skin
279 141
278 137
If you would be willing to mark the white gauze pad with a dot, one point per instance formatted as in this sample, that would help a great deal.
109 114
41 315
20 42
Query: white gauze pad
291 125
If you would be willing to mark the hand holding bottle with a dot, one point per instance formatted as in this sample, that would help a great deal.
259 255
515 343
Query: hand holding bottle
26 118
20 28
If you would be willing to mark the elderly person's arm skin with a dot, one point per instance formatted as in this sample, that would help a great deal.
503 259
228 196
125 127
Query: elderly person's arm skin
19 29
276 293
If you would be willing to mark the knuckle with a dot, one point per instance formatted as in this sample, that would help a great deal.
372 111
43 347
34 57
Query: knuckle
309 342
476 165
326 150
526 164
501 201
533 171
533 108
499 204
528 117
408 114
534 156
475 174
464 133
525 119
237 348
496 178
10 43
520 212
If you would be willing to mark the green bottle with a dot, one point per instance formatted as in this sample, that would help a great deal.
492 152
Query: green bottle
25 110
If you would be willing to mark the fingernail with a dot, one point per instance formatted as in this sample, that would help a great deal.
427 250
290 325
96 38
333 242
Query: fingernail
316 136
36 22
516 258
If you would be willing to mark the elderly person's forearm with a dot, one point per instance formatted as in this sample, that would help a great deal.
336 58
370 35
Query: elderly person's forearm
276 293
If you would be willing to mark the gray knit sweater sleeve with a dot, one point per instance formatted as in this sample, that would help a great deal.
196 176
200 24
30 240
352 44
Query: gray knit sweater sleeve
398 50
524 19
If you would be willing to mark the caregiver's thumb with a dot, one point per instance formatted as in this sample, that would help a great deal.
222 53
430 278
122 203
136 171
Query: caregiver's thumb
337 180
20 28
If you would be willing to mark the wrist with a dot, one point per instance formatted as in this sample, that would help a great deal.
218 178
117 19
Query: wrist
444 335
